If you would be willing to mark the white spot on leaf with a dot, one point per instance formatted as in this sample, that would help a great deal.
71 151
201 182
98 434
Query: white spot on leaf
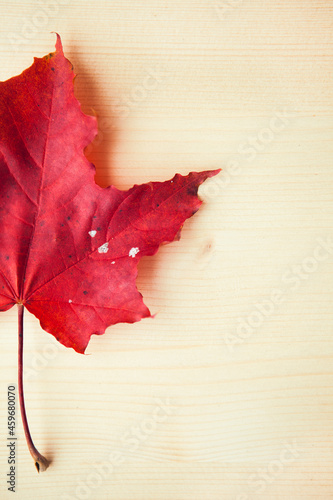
70 301
92 233
104 248
133 252
113 262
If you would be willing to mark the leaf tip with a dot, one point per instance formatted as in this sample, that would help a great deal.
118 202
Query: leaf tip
212 173
58 44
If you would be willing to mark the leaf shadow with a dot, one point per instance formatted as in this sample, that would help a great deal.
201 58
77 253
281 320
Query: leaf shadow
91 97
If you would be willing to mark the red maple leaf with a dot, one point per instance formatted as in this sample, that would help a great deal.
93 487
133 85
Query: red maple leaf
69 249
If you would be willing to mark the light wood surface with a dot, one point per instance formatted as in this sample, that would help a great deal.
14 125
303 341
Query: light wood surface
228 392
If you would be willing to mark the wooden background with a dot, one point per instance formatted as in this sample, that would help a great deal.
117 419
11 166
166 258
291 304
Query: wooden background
228 392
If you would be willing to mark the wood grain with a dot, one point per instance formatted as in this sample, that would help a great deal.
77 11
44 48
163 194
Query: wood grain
228 392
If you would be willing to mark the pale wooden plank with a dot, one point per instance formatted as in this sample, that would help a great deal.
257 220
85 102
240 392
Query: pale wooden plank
248 407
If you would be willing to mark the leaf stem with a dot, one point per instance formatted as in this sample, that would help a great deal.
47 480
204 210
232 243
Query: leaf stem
40 462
